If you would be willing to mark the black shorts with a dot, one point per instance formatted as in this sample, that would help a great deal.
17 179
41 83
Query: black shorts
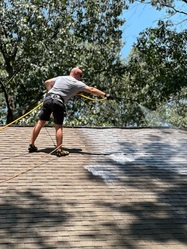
55 106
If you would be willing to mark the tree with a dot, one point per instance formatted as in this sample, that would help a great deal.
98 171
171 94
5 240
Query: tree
42 39
158 68
172 7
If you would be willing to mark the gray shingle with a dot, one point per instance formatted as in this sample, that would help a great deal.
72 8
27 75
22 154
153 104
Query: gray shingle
118 188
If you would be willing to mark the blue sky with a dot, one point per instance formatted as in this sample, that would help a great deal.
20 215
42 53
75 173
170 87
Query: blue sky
139 17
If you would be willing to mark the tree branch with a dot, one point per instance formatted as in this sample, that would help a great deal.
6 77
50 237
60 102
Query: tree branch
173 8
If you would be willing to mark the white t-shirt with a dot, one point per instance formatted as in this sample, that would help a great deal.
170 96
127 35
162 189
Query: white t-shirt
67 86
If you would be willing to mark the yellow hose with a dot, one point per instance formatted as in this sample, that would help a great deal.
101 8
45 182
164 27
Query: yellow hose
21 117
30 167
92 99
81 95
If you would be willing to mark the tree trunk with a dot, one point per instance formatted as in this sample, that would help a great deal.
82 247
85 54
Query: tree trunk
9 117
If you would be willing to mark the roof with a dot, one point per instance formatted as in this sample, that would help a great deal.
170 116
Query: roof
118 188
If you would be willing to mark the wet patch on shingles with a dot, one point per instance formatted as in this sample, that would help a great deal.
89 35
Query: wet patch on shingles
147 160
111 174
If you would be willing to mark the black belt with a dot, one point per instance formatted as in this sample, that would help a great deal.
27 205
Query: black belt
55 96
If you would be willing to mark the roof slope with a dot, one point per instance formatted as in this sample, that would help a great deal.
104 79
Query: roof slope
118 188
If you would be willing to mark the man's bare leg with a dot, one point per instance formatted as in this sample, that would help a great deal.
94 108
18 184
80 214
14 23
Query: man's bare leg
59 140
36 131
59 136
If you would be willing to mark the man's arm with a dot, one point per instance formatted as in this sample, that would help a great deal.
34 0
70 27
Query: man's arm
49 84
94 90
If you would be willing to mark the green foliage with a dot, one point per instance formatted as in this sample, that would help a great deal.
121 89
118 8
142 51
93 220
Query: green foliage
157 68
171 7
43 39
175 111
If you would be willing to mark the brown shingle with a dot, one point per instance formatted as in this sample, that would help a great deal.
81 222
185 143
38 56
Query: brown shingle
118 188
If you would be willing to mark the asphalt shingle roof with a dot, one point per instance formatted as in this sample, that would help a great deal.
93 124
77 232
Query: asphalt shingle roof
118 188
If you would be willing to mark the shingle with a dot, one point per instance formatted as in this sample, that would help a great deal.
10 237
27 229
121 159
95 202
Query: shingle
118 188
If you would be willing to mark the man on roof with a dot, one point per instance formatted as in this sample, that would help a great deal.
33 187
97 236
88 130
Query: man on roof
60 90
